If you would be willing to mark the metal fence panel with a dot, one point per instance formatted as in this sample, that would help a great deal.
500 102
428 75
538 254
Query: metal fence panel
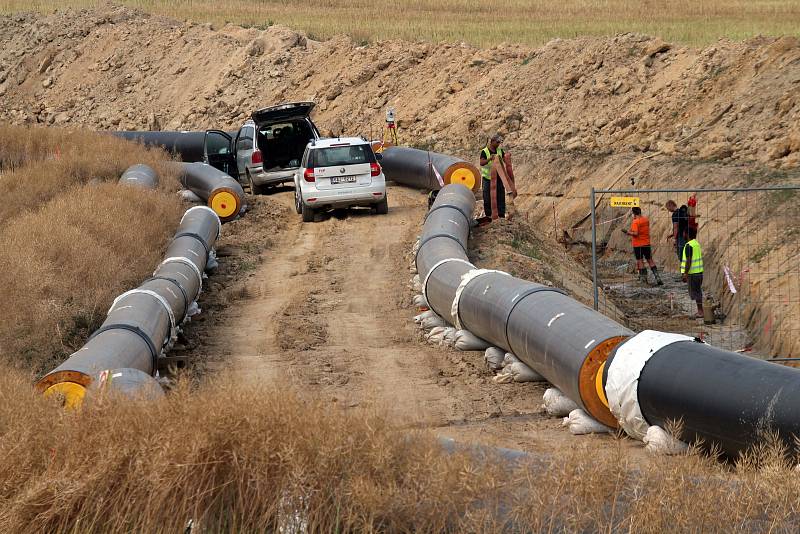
751 251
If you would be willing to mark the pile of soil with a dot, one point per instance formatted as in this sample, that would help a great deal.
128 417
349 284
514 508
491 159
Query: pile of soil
118 68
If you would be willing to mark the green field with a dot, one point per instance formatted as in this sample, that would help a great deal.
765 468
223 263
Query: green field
481 23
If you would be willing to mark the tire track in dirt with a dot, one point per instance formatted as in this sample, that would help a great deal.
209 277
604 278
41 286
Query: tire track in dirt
244 339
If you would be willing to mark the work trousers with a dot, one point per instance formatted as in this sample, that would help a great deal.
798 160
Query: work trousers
680 242
487 197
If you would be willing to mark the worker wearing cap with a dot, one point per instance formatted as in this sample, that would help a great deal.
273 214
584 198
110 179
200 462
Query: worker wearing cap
488 154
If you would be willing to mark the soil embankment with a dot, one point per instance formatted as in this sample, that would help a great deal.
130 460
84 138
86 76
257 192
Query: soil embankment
116 68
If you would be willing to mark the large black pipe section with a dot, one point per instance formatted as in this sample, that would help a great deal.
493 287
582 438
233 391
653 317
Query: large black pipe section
720 398
563 340
412 167
140 175
142 323
185 144
218 190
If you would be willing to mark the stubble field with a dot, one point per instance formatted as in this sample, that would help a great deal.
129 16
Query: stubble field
531 22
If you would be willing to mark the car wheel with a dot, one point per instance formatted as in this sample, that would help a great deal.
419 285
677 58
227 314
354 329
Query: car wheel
382 207
307 213
254 189
298 204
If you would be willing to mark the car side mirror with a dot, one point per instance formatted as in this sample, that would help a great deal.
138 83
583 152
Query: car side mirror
378 156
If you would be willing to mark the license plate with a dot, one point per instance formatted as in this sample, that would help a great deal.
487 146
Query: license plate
343 179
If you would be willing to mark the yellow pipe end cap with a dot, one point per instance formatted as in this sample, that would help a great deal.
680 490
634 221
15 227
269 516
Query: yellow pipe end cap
464 177
598 384
224 204
71 392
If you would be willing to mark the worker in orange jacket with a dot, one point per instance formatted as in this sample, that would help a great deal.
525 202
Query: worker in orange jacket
640 240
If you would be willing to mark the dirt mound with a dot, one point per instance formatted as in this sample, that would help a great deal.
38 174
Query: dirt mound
118 68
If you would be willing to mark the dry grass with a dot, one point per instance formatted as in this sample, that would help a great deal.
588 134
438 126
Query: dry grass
234 459
482 23
37 164
71 239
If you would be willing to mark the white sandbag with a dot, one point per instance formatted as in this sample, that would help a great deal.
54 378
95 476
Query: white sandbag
516 371
437 331
557 404
432 322
420 302
658 441
416 283
448 337
493 357
438 335
522 373
424 315
580 422
503 378
466 340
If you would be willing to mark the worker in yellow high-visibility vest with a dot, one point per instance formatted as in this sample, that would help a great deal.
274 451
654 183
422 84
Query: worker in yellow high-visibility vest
692 269
488 154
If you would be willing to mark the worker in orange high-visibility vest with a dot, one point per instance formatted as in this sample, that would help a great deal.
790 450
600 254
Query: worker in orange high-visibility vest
640 240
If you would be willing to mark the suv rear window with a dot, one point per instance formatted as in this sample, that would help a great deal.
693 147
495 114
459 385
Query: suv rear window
341 155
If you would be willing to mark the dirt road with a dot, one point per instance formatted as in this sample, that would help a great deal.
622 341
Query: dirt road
328 311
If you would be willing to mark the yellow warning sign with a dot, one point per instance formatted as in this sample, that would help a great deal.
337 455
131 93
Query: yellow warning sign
625 202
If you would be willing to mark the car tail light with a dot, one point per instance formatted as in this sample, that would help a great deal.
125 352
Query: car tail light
256 157
308 175
375 169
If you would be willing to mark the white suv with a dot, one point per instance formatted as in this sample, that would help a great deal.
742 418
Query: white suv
339 173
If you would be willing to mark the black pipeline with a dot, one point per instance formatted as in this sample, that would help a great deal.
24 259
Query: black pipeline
720 397
221 193
140 175
633 381
413 167
187 145
142 323
563 340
